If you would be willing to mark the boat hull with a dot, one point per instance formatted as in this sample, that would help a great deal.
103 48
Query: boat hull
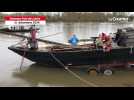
77 57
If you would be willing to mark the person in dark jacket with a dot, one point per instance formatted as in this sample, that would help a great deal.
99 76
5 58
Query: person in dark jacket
120 38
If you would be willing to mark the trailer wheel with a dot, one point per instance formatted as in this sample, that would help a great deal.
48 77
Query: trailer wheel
108 72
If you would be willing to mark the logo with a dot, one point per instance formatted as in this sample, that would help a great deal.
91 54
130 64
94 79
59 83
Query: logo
118 19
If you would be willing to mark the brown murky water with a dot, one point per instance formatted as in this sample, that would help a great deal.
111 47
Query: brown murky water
44 76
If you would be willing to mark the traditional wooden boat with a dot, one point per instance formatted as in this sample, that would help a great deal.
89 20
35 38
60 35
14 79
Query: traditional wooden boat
76 56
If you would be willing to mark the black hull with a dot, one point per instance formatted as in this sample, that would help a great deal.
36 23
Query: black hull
77 57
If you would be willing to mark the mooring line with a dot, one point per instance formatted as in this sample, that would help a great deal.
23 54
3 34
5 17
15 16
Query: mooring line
74 74
50 35
22 60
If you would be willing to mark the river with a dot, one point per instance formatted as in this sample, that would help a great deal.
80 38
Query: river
43 76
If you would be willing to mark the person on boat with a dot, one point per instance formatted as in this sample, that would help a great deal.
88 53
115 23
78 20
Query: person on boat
107 44
106 41
120 38
98 43
73 40
103 36
33 41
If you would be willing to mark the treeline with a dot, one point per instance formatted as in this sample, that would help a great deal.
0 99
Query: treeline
73 17
85 17
79 17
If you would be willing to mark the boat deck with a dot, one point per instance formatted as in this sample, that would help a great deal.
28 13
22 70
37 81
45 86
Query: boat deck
69 48
44 47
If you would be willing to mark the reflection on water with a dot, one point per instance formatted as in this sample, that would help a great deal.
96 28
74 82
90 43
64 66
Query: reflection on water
38 75
41 75
47 75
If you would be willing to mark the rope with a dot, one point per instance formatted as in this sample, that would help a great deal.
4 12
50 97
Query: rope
22 60
50 35
19 42
74 74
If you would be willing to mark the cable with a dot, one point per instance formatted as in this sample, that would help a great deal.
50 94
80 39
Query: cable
74 74
50 35
22 61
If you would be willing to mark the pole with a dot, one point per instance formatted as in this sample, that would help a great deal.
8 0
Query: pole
41 40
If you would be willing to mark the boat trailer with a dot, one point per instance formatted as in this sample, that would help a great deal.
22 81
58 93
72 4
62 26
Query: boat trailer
110 68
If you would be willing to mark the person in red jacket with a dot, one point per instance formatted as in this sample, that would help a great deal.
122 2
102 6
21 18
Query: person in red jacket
107 41
103 36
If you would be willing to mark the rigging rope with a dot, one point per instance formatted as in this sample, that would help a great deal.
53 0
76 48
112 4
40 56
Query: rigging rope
74 74
50 35
23 57
22 60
